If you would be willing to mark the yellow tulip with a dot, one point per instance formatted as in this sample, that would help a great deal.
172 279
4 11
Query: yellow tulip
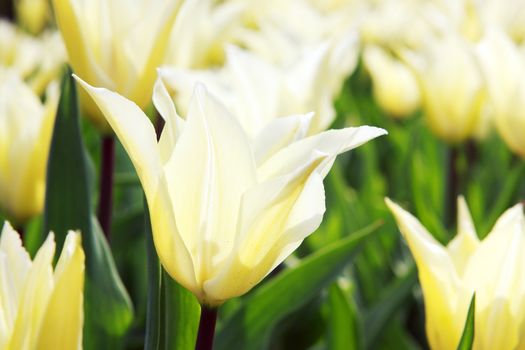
509 15
201 31
38 60
33 15
225 210
257 91
41 308
116 44
395 87
493 268
26 127
452 87
503 65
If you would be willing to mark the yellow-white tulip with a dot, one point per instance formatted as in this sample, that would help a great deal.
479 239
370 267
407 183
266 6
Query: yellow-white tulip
37 59
284 31
201 30
509 15
503 65
116 44
257 91
224 210
41 308
493 268
395 86
26 126
452 88
33 15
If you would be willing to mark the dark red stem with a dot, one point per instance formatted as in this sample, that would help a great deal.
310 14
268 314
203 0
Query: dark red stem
107 167
206 329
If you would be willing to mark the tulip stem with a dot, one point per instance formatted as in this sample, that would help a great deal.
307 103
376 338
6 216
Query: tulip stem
7 9
21 231
452 184
206 328
106 183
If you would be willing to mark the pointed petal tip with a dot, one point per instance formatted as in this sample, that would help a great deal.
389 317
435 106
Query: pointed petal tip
391 204
83 83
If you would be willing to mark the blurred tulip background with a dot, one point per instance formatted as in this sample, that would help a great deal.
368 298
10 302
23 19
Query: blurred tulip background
218 163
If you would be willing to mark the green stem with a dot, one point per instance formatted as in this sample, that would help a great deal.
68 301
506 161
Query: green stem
153 319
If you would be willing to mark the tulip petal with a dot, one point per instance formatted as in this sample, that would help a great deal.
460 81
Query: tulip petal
14 267
173 123
441 286
62 324
257 88
17 259
76 41
466 241
500 281
279 133
171 248
34 298
275 217
331 142
134 130
211 167
160 36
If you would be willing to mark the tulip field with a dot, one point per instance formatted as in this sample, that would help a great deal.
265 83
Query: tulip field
279 174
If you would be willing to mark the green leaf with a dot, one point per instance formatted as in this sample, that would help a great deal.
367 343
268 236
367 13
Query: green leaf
153 305
392 300
287 292
467 338
173 312
343 321
107 308
182 314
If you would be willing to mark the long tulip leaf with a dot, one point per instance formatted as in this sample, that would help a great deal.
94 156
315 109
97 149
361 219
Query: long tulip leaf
288 292
343 323
108 309
172 311
467 338
395 295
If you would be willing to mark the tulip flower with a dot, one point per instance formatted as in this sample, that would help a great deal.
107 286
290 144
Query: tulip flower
503 65
116 44
257 91
26 126
508 15
201 31
33 15
395 86
41 308
38 60
225 211
452 88
492 268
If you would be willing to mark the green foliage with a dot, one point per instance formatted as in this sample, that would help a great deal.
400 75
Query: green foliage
287 292
467 338
173 312
107 307
343 290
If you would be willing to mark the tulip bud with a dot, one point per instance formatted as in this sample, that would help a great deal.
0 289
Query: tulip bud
503 65
33 15
452 88
116 44
26 126
41 308
225 209
395 87
449 276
